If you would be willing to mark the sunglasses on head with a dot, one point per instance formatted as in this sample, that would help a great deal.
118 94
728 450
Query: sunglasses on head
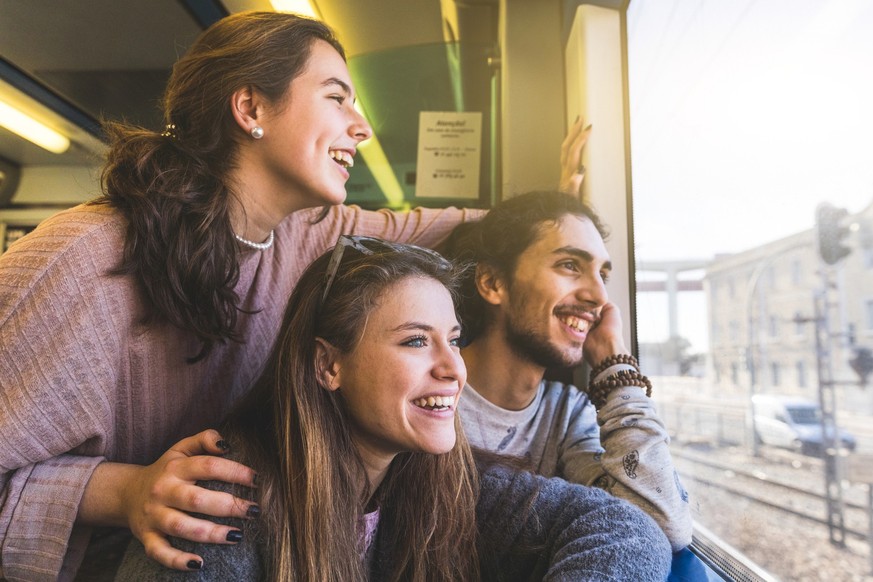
367 245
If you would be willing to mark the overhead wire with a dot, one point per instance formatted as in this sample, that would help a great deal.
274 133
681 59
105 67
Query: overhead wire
665 119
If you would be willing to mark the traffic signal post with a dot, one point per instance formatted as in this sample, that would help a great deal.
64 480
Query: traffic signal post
831 232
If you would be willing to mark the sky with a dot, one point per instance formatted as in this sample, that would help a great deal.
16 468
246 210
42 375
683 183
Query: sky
745 115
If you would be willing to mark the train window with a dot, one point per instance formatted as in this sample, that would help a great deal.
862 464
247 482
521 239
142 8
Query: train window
750 127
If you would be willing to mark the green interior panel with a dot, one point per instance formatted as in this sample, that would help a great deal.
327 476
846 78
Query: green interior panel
394 86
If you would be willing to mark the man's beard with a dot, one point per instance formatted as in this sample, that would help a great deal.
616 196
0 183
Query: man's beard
531 346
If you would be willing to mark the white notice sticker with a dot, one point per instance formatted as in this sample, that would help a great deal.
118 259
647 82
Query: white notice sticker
449 150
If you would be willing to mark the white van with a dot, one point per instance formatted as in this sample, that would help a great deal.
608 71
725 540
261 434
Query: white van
793 423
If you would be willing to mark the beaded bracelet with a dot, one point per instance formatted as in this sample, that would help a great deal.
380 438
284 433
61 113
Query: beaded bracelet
623 378
610 371
598 391
612 360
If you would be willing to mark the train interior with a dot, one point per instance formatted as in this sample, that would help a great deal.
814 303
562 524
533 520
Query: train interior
730 300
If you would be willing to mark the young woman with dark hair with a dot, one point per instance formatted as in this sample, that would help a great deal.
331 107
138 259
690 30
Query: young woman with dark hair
364 471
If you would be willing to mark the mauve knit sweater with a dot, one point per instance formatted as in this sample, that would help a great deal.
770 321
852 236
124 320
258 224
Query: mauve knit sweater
82 381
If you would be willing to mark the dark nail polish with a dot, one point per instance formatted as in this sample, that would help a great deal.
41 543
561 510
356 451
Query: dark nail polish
194 565
234 536
222 444
253 511
255 479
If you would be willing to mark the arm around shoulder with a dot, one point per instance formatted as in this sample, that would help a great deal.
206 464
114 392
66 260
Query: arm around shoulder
420 226
220 562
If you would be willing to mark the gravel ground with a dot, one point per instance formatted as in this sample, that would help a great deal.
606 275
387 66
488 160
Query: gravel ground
789 547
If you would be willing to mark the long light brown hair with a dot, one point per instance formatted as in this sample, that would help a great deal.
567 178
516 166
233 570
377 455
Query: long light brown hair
296 434
172 186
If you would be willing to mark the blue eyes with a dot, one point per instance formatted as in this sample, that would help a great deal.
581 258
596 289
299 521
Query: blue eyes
421 342
416 342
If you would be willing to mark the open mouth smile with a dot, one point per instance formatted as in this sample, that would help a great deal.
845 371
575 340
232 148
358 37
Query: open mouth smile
436 403
342 157
577 324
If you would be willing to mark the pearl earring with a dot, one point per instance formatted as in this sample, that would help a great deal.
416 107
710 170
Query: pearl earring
257 132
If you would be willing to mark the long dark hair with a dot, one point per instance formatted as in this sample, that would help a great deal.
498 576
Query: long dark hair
172 186
296 434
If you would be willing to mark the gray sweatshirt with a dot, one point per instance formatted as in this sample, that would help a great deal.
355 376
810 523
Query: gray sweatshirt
623 448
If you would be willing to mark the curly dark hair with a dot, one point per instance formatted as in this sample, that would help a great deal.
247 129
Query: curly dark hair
500 238
174 189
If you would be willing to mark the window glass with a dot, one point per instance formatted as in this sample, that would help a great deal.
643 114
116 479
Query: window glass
868 309
750 128
868 257
774 326
796 273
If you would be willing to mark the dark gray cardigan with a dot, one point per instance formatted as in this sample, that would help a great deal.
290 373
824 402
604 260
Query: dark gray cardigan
531 529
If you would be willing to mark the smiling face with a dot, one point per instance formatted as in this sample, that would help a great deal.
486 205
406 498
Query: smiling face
402 381
548 307
310 139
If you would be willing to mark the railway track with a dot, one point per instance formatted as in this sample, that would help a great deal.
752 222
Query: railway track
789 483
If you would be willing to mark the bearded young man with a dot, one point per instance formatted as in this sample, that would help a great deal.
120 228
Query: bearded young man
537 300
